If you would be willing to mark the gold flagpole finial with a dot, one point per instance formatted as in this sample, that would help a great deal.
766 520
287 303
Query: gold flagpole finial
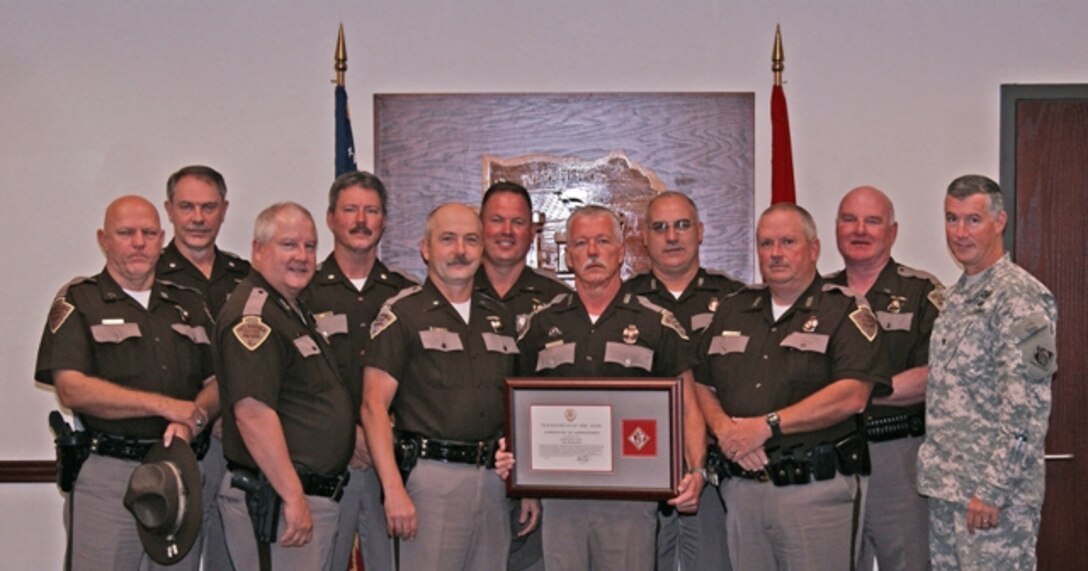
341 65
777 58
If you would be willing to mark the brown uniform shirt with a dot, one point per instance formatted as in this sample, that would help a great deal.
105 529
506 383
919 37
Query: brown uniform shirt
227 270
268 351
97 329
531 291
631 338
758 364
343 315
450 375
695 306
905 303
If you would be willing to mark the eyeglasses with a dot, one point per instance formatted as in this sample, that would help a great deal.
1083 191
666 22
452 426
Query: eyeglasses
681 226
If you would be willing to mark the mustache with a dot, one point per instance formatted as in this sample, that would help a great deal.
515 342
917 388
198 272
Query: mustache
361 229
459 260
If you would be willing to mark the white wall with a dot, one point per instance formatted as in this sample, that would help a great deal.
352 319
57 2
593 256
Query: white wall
108 97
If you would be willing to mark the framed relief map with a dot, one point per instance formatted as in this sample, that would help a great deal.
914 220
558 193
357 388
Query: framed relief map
569 149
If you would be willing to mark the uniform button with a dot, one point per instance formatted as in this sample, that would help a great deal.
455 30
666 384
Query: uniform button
589 357
758 385
360 298
156 339
362 352
164 367
363 325
773 329
764 357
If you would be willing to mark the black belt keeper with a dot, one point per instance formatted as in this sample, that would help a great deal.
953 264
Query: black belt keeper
895 427
480 453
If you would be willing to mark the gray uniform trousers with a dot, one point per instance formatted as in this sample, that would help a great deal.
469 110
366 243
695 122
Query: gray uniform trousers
792 528
1008 547
694 542
463 516
599 535
215 555
315 555
896 530
103 532
362 512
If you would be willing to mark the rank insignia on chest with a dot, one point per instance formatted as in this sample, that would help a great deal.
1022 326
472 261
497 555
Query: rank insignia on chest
896 304
713 305
630 334
811 324
251 332
865 321
496 323
58 313
554 332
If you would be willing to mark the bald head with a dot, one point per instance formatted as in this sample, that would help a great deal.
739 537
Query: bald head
865 228
131 239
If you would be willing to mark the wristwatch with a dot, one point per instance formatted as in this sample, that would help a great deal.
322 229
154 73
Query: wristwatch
774 421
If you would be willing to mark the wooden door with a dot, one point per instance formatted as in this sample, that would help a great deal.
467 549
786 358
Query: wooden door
1045 179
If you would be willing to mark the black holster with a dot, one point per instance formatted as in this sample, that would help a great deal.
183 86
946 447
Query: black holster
262 502
853 454
72 449
406 453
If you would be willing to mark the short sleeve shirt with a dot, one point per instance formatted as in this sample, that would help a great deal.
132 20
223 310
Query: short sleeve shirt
758 364
450 375
97 329
268 351
343 314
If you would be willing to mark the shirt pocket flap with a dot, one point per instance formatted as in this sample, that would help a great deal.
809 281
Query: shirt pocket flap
814 342
195 333
445 341
556 356
307 346
629 355
330 324
726 344
496 343
114 332
700 321
894 321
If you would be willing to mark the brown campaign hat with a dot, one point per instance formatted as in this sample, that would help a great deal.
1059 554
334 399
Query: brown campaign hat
166 497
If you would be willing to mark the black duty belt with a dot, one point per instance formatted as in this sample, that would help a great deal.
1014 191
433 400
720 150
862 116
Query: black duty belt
478 453
895 427
135 449
848 456
312 484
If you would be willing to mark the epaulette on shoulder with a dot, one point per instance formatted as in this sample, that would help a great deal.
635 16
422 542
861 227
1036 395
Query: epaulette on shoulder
667 318
63 292
525 319
176 285
255 301
402 294
752 287
721 274
844 290
909 272
231 255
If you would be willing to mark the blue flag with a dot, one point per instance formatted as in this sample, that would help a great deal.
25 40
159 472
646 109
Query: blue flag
345 142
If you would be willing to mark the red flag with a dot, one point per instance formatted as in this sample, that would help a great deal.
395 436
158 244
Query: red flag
782 187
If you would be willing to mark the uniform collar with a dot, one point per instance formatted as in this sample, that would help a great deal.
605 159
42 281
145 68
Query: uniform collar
329 273
521 285
172 261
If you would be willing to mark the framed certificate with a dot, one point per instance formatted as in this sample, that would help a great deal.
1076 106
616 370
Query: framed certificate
595 438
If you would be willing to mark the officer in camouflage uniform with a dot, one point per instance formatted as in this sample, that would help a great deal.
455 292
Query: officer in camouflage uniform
906 301
673 234
992 355
506 213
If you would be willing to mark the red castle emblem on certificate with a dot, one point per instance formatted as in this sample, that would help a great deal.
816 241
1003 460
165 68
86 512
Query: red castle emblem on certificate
640 437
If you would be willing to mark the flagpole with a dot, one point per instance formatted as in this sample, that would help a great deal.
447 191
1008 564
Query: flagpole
345 142
782 183
777 57
341 57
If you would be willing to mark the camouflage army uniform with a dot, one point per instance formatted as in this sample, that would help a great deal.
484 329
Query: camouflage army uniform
992 355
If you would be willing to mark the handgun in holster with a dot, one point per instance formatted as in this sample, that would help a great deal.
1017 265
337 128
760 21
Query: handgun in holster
406 453
262 502
72 448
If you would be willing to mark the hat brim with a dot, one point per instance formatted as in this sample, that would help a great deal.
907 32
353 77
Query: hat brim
155 544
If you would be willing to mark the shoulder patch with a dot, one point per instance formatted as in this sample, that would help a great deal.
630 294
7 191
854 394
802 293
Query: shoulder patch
844 290
936 297
382 321
667 318
865 321
59 312
251 332
526 319
909 272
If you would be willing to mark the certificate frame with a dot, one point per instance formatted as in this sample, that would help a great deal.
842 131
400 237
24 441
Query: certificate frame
644 437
